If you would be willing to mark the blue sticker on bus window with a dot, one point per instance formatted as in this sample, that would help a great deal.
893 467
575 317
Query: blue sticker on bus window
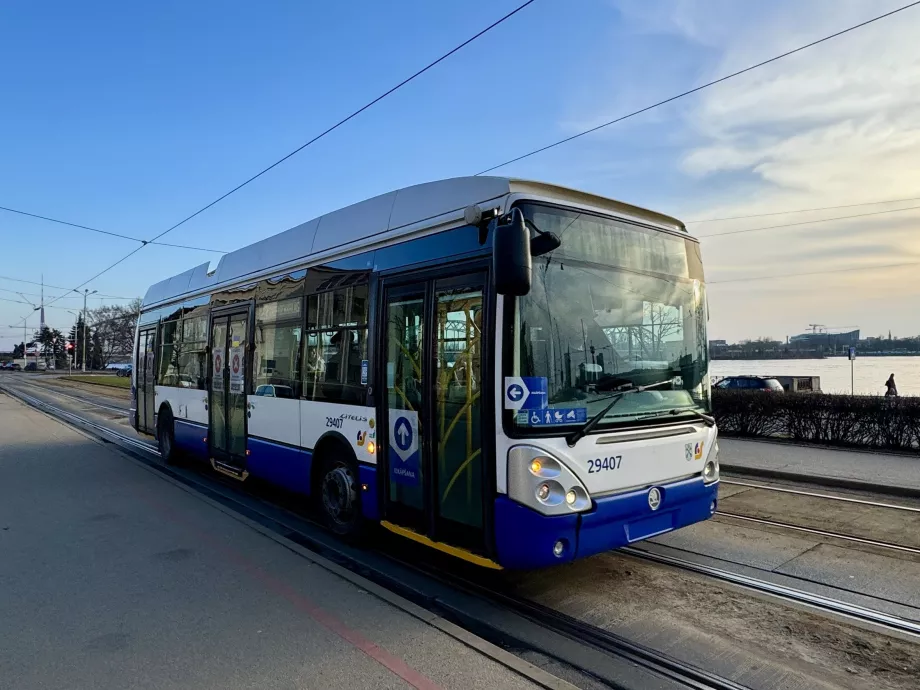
525 393
363 372
404 450
557 416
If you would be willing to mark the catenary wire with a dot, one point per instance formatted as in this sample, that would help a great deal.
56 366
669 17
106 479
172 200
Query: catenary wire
814 273
56 287
317 137
701 87
801 210
349 117
807 222
108 232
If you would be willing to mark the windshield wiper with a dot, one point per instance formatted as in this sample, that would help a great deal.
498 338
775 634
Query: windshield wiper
708 419
588 427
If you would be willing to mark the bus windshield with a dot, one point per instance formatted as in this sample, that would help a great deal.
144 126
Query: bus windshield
616 306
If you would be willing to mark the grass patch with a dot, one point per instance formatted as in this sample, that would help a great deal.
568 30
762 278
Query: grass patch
103 380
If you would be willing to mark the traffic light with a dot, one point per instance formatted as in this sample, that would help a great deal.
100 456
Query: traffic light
69 347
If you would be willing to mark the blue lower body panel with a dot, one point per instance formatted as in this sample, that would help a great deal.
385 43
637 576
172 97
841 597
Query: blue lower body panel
370 504
524 538
190 438
279 464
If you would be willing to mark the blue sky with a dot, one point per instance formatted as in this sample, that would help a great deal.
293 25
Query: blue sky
129 116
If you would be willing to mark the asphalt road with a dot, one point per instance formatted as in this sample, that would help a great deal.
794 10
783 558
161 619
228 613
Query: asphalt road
866 576
113 576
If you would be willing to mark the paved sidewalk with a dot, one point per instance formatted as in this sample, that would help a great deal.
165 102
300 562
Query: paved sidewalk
899 471
112 576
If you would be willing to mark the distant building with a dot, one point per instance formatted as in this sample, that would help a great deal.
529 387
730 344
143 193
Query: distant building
824 341
718 343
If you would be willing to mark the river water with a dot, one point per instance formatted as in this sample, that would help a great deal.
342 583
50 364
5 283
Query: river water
869 373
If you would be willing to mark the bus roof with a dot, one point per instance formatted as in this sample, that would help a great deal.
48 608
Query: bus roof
382 219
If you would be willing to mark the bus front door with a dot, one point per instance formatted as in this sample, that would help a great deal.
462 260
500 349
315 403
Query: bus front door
432 353
229 383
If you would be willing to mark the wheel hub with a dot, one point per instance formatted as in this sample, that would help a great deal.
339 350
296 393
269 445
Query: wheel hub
339 494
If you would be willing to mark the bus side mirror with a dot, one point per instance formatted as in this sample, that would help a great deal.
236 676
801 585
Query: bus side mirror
511 261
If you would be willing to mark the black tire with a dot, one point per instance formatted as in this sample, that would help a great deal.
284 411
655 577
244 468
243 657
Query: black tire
166 438
338 491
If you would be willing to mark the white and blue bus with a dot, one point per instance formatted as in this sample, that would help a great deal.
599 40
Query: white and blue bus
512 372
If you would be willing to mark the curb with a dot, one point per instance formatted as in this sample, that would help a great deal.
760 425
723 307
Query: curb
820 446
834 482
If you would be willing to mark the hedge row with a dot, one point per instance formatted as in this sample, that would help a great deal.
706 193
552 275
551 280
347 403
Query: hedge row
839 420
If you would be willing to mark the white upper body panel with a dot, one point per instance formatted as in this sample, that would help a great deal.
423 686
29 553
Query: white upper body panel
390 217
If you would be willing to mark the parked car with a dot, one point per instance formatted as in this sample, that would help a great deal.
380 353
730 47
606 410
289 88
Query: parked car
750 383
11 366
124 371
271 390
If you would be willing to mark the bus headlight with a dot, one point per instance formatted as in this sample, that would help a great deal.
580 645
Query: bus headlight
542 482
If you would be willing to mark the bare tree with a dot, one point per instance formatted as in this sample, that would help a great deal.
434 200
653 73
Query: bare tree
659 322
113 329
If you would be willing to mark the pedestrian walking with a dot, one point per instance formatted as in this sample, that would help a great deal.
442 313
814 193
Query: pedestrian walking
892 388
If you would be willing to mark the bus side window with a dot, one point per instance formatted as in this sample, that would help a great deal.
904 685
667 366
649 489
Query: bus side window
336 345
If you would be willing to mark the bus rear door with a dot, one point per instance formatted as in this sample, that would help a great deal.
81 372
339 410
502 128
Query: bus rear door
229 383
145 380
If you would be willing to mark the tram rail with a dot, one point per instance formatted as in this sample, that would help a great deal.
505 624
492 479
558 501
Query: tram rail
609 645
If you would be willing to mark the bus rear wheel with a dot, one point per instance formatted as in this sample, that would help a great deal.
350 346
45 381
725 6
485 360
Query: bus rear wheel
166 438
339 494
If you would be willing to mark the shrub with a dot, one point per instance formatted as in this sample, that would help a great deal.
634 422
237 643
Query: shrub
841 420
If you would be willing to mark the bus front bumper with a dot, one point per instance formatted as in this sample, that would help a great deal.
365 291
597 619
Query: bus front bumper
525 539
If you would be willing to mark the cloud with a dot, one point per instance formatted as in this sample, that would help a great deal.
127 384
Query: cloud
838 119
836 124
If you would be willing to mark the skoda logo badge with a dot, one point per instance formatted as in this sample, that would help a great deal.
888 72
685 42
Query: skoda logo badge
654 498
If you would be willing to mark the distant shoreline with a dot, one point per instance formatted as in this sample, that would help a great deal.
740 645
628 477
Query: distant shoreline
760 357
773 356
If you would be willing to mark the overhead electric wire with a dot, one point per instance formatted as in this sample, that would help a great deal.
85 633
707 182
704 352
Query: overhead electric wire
57 287
801 210
16 301
59 297
108 232
349 117
814 273
317 137
47 305
807 222
701 87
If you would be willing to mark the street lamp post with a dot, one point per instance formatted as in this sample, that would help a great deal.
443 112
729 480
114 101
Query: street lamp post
86 293
25 329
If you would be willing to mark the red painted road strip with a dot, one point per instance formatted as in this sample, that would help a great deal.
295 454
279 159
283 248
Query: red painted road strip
328 620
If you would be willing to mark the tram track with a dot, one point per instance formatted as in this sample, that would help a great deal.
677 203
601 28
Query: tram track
891 623
582 637
821 533
814 494
576 632
77 398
